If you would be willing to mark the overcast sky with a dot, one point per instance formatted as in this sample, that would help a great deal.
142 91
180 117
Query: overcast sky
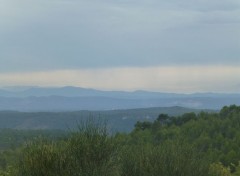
73 40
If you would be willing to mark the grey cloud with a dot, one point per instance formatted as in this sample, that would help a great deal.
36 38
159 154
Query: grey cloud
220 17
61 34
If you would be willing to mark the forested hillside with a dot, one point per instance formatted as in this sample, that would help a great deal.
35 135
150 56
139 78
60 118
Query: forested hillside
118 120
203 144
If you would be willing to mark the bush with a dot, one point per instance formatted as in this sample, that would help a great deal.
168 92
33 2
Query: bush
167 159
88 152
42 158
93 151
217 169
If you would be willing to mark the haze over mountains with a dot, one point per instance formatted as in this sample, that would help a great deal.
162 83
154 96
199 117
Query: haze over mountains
30 99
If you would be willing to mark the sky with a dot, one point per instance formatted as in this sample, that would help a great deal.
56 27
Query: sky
161 45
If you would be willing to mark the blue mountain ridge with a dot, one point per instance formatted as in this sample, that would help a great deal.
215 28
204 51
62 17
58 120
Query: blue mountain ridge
76 98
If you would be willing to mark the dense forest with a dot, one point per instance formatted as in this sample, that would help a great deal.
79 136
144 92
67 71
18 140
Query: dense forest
119 120
193 144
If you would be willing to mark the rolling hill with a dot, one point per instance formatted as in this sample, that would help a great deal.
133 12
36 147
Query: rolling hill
118 120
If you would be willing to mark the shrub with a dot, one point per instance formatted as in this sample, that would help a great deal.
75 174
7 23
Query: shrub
90 151
167 159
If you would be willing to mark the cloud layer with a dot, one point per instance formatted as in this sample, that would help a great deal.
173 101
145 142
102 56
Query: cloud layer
70 34
165 79
170 46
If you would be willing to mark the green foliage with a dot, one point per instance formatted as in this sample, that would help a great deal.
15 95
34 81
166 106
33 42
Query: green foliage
229 111
42 157
216 136
237 171
170 158
217 169
143 125
204 144
92 151
9 171
162 117
13 138
120 120
88 152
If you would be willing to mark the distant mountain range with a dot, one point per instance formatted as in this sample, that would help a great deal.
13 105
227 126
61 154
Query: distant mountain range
32 99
